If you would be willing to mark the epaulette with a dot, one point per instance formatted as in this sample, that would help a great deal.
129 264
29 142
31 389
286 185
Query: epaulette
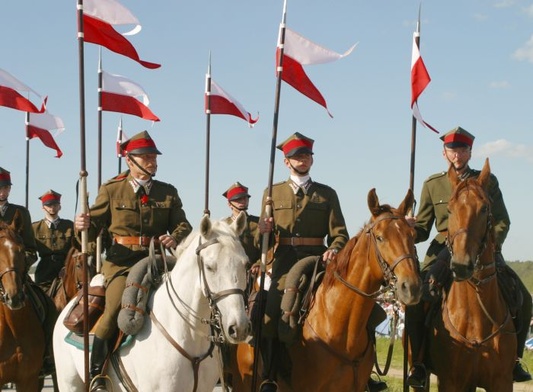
279 183
120 177
437 175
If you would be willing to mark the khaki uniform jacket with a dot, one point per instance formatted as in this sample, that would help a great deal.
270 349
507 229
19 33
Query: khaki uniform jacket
433 209
316 214
53 244
119 210
248 236
24 229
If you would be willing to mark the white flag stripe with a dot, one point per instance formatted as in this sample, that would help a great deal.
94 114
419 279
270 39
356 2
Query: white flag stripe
112 12
46 121
120 85
8 80
217 90
306 52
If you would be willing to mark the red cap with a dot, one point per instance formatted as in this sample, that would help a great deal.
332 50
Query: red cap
5 177
236 191
50 197
140 143
296 144
458 137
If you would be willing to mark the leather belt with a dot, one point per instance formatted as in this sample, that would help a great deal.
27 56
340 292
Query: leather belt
135 240
301 241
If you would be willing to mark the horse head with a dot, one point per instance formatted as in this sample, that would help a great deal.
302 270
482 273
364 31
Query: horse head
469 222
393 242
12 267
222 262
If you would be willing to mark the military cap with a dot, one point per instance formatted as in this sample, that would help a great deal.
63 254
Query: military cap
50 197
140 143
458 137
296 144
236 191
5 177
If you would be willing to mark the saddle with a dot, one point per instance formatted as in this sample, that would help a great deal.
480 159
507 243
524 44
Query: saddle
300 286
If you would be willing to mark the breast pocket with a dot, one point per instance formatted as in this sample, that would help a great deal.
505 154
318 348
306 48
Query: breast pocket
128 210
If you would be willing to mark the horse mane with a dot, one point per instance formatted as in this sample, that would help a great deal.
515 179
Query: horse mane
342 261
219 229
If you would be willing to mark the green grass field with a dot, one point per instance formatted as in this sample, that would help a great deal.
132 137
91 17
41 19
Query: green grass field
395 374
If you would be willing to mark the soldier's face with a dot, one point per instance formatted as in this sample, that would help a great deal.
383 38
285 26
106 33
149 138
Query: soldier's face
458 156
52 209
147 161
300 164
4 192
240 204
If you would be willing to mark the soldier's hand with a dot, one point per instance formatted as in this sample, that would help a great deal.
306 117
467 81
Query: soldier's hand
168 241
266 225
82 222
411 220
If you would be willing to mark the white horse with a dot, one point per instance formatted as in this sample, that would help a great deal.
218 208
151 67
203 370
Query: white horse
202 294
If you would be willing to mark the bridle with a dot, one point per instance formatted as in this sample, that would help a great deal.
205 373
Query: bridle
389 277
3 294
450 238
215 321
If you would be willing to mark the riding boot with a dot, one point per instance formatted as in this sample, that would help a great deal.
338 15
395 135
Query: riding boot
270 353
416 332
377 316
98 356
523 320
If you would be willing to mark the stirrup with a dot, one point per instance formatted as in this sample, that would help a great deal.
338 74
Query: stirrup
98 383
268 386
417 376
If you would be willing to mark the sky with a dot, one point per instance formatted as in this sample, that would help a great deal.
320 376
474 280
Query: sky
479 54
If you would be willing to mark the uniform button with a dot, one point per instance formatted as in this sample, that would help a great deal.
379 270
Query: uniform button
297 219
298 206
145 221
297 234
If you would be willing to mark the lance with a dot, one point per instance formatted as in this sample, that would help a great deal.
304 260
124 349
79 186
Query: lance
411 213
119 142
268 200
84 208
207 133
27 157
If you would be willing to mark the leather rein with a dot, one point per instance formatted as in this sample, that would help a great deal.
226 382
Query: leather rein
217 335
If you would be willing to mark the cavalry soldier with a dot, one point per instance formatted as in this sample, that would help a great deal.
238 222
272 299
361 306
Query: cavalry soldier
53 236
305 214
8 213
134 208
238 200
434 198
20 217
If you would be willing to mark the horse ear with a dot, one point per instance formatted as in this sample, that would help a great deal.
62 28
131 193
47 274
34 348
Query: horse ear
239 224
17 223
453 177
373 202
205 226
407 203
484 176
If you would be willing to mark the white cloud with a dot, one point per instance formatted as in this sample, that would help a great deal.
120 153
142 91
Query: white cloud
504 4
499 85
525 52
505 148
529 10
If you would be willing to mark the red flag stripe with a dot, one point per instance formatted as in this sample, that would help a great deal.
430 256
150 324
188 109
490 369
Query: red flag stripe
419 79
112 102
46 137
101 33
12 99
294 74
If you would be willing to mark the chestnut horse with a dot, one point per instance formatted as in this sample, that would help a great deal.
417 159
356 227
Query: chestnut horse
21 335
70 279
335 351
472 341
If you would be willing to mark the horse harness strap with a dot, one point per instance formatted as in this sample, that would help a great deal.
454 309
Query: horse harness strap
195 361
301 241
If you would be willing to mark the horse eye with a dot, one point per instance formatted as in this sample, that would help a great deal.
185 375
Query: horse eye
484 209
379 238
211 268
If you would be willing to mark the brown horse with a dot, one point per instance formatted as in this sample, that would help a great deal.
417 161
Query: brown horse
21 336
335 351
472 341
70 279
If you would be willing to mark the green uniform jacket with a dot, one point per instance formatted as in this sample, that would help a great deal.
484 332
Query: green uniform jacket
433 208
316 214
24 229
53 244
118 209
248 237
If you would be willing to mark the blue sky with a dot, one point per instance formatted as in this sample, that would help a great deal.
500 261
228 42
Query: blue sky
479 54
